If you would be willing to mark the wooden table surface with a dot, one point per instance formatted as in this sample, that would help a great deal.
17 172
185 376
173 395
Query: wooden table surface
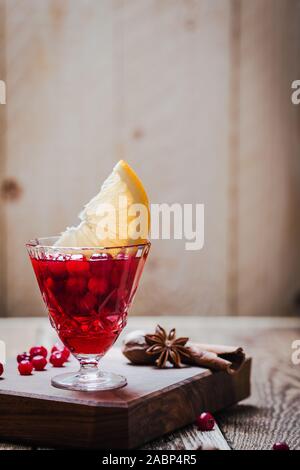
271 414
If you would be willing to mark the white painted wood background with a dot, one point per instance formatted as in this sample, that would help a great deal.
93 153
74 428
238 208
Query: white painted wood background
195 94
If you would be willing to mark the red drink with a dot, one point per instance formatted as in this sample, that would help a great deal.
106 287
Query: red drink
89 275
88 297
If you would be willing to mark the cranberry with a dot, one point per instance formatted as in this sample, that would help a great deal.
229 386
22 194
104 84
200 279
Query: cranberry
280 446
1 369
205 422
23 357
38 351
76 285
87 303
25 367
61 348
57 359
78 266
98 286
39 362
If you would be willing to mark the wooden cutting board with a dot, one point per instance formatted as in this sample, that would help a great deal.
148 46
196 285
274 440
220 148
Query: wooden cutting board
154 402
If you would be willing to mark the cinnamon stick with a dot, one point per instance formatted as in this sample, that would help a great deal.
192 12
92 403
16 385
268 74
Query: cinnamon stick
215 356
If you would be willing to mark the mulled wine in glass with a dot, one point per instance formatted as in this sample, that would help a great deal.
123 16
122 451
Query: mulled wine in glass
88 292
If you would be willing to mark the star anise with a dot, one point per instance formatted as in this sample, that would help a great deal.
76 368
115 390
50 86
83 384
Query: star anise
166 347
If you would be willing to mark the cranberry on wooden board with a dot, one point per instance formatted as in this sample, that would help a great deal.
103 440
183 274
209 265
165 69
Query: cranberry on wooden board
38 351
1 369
23 357
61 348
39 362
57 359
205 422
281 446
25 367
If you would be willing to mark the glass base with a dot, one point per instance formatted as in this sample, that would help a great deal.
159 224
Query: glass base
89 382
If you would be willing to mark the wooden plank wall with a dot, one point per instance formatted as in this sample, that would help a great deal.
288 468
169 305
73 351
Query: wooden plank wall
269 158
195 94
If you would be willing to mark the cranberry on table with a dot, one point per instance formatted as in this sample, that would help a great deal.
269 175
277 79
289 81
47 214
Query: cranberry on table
281 446
57 359
38 351
39 362
23 357
61 348
1 369
25 367
205 422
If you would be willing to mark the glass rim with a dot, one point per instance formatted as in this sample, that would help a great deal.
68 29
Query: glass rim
35 243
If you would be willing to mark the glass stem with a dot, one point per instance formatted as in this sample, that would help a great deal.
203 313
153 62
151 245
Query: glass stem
89 368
